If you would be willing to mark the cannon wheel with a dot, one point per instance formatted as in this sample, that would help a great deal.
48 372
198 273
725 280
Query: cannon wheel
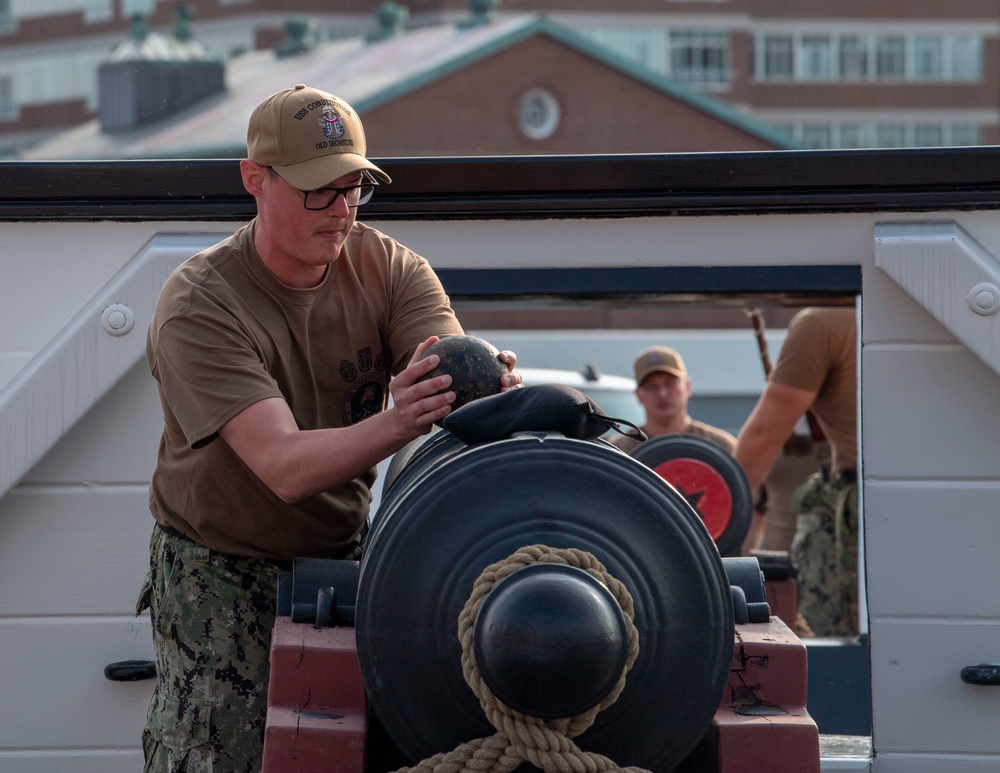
709 478
479 506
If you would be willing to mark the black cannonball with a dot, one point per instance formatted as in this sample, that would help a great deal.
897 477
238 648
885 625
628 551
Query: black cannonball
472 364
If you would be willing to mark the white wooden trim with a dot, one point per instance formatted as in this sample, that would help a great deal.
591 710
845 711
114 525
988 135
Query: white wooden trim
74 370
951 275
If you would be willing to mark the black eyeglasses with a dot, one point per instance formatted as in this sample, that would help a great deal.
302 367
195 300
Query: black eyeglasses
324 198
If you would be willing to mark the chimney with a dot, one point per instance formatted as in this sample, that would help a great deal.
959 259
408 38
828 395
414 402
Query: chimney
391 18
300 32
483 12
152 75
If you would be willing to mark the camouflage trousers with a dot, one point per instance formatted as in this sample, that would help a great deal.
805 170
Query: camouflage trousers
212 617
825 552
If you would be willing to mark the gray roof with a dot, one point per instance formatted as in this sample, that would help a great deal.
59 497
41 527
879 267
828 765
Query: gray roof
366 74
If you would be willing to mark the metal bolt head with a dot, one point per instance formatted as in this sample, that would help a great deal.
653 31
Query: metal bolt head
117 319
984 298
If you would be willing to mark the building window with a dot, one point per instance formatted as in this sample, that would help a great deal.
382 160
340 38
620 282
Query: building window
6 17
817 136
700 58
853 135
853 58
966 58
538 114
97 11
928 135
645 46
8 110
880 134
966 134
890 135
138 8
777 64
890 57
928 57
816 60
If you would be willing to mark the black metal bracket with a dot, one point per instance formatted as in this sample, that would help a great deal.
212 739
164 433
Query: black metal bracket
747 586
320 591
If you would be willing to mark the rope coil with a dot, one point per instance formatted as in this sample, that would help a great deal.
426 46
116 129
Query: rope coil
521 737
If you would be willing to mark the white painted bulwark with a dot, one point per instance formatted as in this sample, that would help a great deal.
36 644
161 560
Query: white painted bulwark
931 482
80 422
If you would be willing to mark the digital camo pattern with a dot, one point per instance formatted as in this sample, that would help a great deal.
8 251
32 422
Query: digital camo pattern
212 618
847 551
825 552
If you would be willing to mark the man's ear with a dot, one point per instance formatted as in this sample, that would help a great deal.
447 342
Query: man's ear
253 177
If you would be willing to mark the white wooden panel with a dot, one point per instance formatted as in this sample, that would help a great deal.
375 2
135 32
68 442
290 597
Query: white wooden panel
951 275
951 532
928 412
115 442
676 241
118 760
911 763
892 315
58 698
49 272
77 367
10 364
73 550
920 705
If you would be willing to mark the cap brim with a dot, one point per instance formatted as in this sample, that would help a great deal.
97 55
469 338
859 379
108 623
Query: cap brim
318 172
661 369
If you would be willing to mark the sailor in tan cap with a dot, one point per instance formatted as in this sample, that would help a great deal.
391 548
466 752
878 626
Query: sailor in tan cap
275 353
663 387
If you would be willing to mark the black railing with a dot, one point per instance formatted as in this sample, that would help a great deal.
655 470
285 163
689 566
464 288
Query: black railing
522 187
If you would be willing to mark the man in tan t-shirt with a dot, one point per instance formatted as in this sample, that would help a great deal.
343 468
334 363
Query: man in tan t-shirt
275 353
663 387
817 371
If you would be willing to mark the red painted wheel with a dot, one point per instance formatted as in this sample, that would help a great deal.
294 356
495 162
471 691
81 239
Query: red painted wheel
709 478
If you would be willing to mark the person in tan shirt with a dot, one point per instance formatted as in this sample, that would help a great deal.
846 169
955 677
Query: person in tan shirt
275 353
663 388
816 371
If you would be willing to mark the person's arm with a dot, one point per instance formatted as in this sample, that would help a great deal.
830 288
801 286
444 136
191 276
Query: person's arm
768 426
762 437
297 463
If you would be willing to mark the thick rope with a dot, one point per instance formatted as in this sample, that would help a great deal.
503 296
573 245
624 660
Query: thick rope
521 737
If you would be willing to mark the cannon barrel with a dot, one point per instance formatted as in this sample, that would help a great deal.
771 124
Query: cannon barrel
469 507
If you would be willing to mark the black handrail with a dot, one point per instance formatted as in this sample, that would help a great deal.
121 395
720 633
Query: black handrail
527 187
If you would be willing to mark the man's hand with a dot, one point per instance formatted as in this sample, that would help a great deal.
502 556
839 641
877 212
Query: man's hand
513 379
416 404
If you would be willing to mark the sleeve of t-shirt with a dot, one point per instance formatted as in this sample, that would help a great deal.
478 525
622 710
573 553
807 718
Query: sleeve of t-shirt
419 308
803 360
208 373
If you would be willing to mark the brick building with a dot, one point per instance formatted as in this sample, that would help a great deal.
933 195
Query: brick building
520 85
846 74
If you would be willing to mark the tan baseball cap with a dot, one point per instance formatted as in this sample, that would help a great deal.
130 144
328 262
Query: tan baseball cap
659 359
309 137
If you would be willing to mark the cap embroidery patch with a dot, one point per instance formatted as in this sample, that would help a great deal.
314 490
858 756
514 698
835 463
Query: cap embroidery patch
331 124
